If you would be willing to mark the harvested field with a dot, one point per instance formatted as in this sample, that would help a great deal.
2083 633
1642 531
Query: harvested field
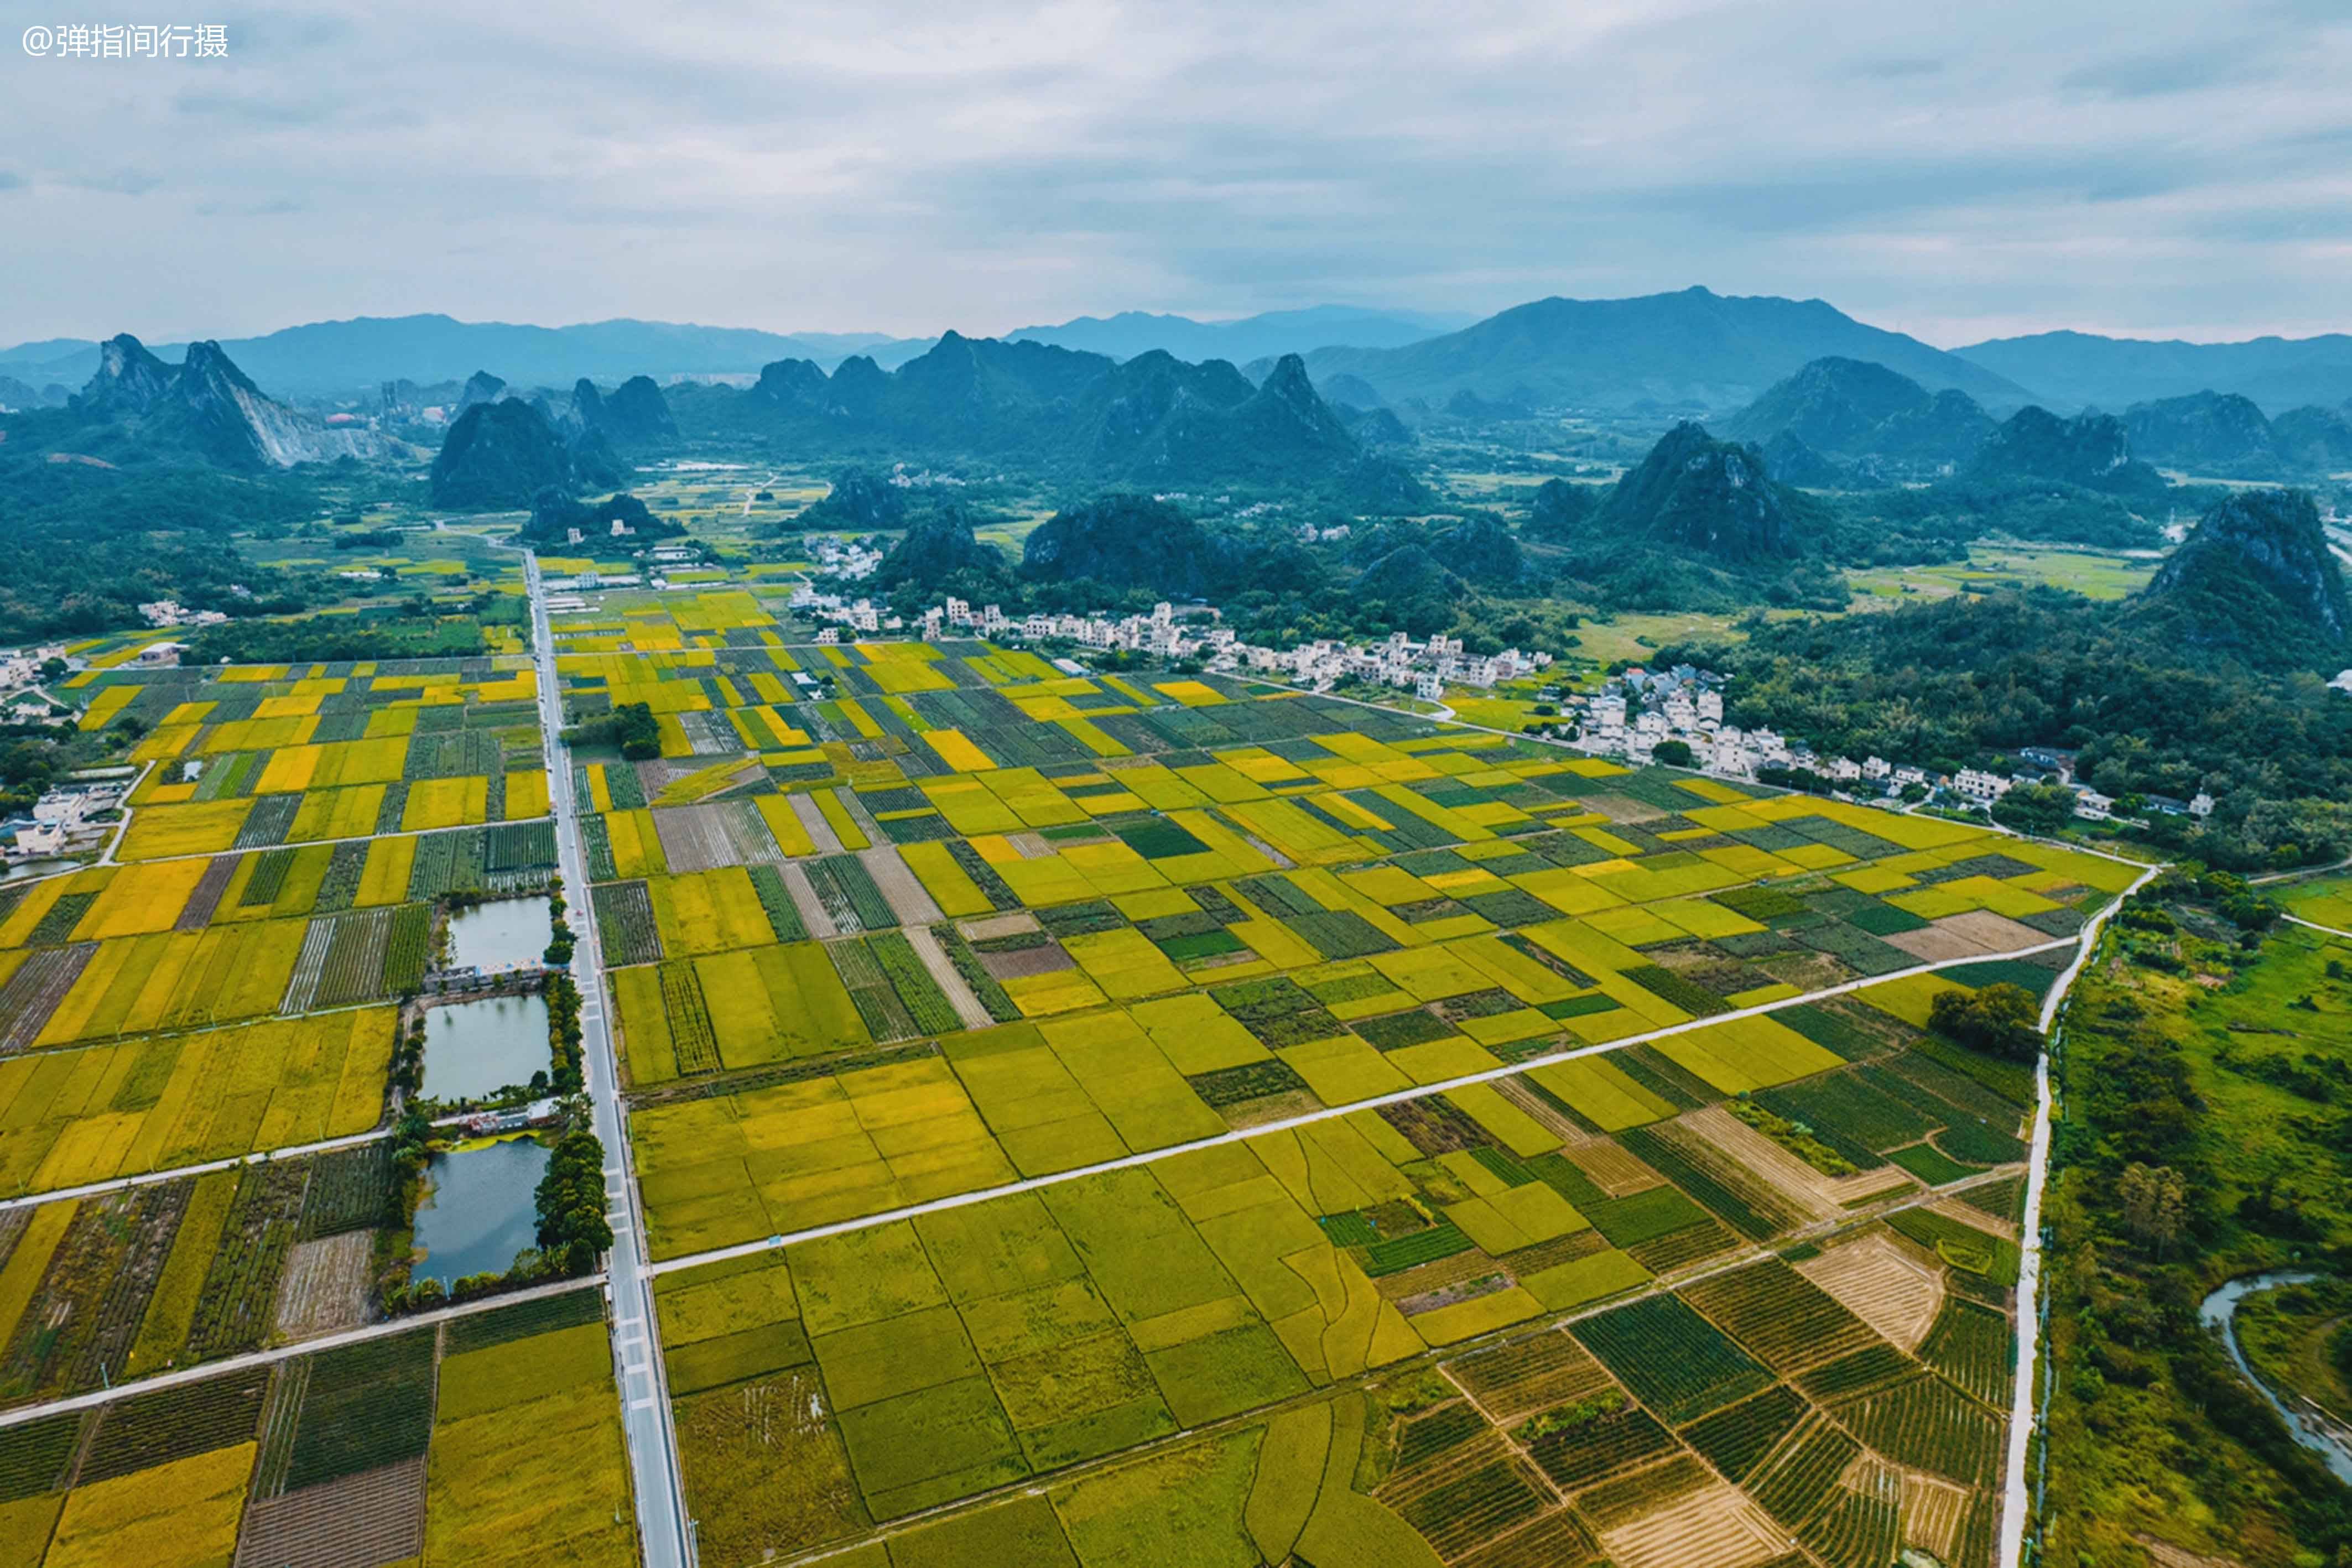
695 838
326 1285
814 915
1820 1196
1017 923
1975 1218
957 991
197 912
360 1522
1614 1169
907 898
36 987
1020 963
1931 1513
342 962
1976 934
1532 1375
1715 1525
820 831
1879 1282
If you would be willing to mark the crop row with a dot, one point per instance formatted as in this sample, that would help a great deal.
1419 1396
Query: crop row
992 995
625 923
236 1308
776 903
408 948
846 890
692 1035
345 868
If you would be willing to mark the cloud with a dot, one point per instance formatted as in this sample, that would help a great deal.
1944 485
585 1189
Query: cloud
893 165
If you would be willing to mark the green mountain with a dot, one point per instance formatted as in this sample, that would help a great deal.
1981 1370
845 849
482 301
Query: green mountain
2092 450
1151 421
1694 495
860 501
554 514
1561 509
1660 350
2206 432
2256 581
939 554
1125 542
499 455
1848 408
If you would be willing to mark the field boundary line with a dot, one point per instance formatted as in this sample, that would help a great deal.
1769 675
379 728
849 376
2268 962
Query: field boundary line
1398 1097
229 1365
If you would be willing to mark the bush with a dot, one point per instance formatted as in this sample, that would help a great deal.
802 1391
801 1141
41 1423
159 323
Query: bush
2000 1019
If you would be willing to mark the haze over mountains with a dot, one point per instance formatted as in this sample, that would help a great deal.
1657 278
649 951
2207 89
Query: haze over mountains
1687 351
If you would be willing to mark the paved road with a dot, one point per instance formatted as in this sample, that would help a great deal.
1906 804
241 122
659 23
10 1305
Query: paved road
2016 1515
1262 1129
636 1353
233 1364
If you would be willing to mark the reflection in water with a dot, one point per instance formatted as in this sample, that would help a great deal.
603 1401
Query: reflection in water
500 935
478 1211
473 1049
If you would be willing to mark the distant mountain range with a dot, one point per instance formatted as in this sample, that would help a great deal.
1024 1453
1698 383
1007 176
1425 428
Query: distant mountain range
1673 355
2076 369
330 359
1265 337
1694 350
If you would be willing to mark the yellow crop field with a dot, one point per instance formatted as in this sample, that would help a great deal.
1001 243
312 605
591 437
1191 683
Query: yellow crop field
709 912
183 1514
785 825
139 899
346 813
198 828
544 1481
526 795
290 770
385 880
445 803
958 752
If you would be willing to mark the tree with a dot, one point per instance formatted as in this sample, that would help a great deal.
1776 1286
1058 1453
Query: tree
2000 1019
2155 1203
2034 808
1672 753
570 1204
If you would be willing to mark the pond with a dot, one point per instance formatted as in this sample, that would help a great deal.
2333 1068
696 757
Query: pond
2220 1310
472 1050
500 935
478 1209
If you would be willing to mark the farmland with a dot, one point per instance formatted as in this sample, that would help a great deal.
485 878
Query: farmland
1509 1156
372 1453
1575 1088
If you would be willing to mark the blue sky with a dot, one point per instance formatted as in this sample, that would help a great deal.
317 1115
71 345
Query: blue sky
2144 168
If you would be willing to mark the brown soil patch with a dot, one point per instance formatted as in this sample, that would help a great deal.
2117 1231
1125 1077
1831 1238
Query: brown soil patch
1979 932
2163 1554
1715 1525
908 899
1024 961
804 899
820 831
360 1522
1882 1285
1992 1225
326 1285
1931 1513
952 985
694 838
1012 924
1614 1169
1820 1196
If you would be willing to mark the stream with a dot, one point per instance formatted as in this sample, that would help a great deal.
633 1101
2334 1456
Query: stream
2220 1310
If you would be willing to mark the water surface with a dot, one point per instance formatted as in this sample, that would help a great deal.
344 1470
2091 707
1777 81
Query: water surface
478 1209
473 1048
500 935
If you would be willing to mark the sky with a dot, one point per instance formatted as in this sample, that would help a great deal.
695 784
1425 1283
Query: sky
2146 168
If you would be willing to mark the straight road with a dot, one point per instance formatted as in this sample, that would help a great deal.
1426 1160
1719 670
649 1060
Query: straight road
636 1343
2016 1510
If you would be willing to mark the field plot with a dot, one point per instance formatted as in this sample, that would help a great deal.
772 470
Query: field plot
369 1455
1016 923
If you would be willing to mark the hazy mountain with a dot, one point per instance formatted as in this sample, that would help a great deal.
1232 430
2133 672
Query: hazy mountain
207 408
1561 509
2092 450
330 358
1659 349
634 413
2314 439
2255 581
2074 369
2205 432
1838 407
1267 336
